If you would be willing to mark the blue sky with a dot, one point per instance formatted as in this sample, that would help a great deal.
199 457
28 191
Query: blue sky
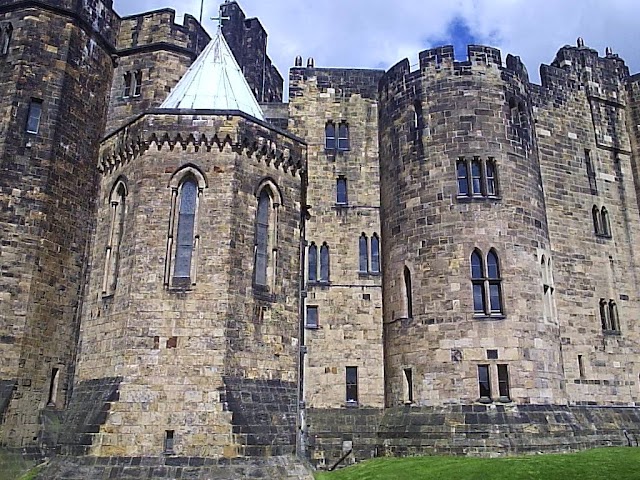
378 34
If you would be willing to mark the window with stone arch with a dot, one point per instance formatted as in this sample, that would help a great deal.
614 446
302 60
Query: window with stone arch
330 136
312 274
363 253
548 289
477 177
266 236
324 263
183 242
597 224
417 123
605 223
375 253
486 284
344 142
117 209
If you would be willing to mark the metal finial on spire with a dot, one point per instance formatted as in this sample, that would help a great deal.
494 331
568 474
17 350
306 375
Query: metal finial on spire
220 18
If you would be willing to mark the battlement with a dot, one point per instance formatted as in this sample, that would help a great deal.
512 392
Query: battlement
97 16
159 26
344 81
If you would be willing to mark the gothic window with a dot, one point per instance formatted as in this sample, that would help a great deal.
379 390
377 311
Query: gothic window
184 234
477 280
6 32
597 225
417 123
330 136
609 316
266 243
606 225
613 316
486 284
54 382
408 385
341 191
311 318
477 178
352 385
604 315
343 136
548 289
127 84
324 263
313 262
183 240
375 253
33 119
408 293
114 239
363 254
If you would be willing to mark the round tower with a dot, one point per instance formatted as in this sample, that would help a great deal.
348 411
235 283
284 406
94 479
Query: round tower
468 308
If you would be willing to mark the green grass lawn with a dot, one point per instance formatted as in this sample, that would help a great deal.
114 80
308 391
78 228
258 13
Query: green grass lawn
596 464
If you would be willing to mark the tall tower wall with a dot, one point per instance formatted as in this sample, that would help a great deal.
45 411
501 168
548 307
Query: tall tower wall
432 120
59 59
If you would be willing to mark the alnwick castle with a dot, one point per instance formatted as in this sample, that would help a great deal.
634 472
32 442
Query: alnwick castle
199 280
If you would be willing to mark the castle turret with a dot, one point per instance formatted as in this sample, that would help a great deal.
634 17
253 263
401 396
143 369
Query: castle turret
464 232
55 69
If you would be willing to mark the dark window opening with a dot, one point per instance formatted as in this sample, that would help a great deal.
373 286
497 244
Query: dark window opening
363 255
484 383
172 342
408 378
137 83
330 136
408 292
492 354
503 383
53 387
35 113
311 319
324 263
477 178
343 136
127 85
313 262
168 441
352 385
262 238
580 366
486 285
613 316
341 191
5 37
606 225
604 314
463 178
591 173
185 232
375 253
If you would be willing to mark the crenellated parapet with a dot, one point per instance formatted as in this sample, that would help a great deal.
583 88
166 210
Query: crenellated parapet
207 133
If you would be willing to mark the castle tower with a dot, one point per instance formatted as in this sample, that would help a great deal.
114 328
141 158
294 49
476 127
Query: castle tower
189 341
55 68
464 232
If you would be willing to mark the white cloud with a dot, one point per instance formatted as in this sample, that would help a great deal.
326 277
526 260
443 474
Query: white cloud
370 33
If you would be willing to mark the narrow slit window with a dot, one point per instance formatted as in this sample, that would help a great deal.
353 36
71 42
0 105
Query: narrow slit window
363 256
116 230
311 320
324 263
491 178
168 441
262 238
137 83
313 263
477 280
597 224
606 225
53 387
493 274
35 113
408 385
604 314
352 385
5 41
463 178
476 177
580 366
128 79
375 253
613 316
408 292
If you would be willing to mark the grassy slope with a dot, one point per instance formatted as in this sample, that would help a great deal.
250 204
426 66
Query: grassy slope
13 466
596 464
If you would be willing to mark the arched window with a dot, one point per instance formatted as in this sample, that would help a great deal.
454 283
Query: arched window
112 254
604 314
324 262
606 225
262 238
476 176
463 177
343 136
545 289
408 292
478 284
363 254
186 186
493 278
185 233
6 32
375 253
513 112
595 214
313 262
128 79
417 116
330 136
613 316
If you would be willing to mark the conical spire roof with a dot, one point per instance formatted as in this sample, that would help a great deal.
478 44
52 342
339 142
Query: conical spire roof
214 82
